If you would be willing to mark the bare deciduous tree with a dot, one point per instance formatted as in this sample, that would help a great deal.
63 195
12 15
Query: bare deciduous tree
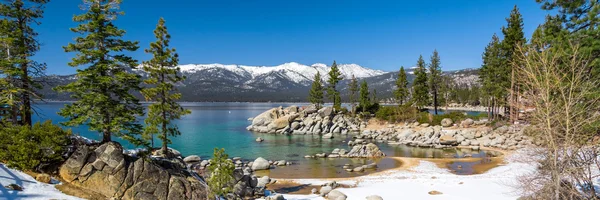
564 123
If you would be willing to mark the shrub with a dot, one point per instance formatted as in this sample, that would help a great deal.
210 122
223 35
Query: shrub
373 108
33 148
221 173
397 113
454 116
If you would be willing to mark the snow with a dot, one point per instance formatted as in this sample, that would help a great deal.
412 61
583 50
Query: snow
294 71
499 183
32 189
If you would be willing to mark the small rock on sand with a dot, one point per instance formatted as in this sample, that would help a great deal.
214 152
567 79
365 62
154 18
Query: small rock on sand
434 192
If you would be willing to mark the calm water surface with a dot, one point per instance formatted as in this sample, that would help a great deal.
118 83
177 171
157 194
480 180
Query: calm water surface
223 125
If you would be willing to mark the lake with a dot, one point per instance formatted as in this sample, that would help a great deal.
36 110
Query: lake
223 125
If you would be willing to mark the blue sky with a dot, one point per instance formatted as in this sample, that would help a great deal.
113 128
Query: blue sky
380 34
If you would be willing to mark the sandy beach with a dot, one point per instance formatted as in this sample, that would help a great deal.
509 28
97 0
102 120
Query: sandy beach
417 177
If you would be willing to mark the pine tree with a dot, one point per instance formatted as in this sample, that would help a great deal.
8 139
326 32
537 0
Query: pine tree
335 76
103 89
401 92
221 173
353 88
575 22
374 98
315 95
9 101
492 73
364 101
513 39
162 75
420 87
19 17
435 78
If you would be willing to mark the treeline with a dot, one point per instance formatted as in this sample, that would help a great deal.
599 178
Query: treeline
105 89
428 88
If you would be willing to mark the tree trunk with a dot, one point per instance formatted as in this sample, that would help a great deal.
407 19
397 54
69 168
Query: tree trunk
511 102
26 115
106 135
489 108
163 101
435 102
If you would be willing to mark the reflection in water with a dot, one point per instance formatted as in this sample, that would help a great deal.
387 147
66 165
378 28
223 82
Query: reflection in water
419 152
328 168
471 166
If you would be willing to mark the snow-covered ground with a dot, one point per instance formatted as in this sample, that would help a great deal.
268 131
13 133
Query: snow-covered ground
497 184
32 189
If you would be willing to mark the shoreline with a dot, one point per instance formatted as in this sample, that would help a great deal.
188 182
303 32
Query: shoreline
422 176
408 163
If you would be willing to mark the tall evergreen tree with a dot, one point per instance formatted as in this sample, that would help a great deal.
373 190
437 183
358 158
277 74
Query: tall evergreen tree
445 91
420 87
162 76
577 22
364 101
353 88
435 79
491 74
401 92
104 88
335 76
9 101
315 95
19 17
374 98
513 39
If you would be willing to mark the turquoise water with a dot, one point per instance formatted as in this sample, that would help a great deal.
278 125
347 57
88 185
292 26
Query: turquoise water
223 125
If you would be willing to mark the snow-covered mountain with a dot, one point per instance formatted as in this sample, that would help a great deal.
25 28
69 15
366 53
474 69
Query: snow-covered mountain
286 82
294 72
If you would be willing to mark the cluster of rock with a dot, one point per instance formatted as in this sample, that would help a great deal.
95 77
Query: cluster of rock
468 133
107 171
328 190
301 121
369 150
361 168
264 164
247 185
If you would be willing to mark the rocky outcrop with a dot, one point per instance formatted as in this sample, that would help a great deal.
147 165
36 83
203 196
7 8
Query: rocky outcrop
301 121
365 151
504 137
106 170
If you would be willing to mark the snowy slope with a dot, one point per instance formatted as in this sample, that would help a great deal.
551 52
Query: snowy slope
32 189
295 72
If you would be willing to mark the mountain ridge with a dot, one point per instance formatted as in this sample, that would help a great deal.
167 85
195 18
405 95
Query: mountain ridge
286 82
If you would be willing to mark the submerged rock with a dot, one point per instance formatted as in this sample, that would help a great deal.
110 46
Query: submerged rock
365 151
